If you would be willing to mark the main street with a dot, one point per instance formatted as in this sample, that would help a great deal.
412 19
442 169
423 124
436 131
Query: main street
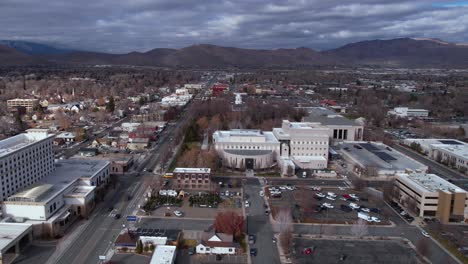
102 228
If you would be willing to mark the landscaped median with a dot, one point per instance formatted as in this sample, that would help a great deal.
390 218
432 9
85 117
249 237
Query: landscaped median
449 246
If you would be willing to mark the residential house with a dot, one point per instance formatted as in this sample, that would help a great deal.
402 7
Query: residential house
217 243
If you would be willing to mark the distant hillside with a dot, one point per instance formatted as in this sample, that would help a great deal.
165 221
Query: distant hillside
32 48
404 52
9 56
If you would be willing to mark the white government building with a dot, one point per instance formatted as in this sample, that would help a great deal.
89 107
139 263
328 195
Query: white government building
295 144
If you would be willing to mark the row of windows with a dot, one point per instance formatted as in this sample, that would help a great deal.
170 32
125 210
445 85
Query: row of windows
306 148
36 151
310 142
251 147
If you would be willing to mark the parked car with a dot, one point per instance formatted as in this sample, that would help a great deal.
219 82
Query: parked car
178 213
346 208
253 252
424 233
261 193
321 195
274 240
117 216
308 251
327 205
375 219
247 204
191 251
252 239
330 198
375 210
354 206
364 209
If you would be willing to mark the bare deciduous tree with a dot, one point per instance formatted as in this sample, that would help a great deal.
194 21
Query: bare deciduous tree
359 229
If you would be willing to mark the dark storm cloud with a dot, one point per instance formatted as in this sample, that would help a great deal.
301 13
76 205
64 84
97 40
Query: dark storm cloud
122 26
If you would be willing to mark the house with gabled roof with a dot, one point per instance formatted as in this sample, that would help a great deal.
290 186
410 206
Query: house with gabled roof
217 243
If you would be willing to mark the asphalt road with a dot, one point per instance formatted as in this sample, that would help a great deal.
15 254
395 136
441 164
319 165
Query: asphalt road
258 224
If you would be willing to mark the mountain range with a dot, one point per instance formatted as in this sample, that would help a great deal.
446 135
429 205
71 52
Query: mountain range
402 52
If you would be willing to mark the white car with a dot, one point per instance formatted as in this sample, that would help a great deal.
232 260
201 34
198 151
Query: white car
247 204
352 195
403 213
331 198
327 205
321 195
178 213
261 193
375 219
283 187
424 233
364 209
331 194
354 206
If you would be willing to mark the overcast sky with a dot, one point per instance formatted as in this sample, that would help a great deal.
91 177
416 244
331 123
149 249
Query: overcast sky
139 25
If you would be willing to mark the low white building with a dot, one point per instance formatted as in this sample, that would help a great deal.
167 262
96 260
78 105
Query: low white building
164 254
13 238
432 196
451 152
130 127
67 137
175 100
55 201
377 161
406 112
217 243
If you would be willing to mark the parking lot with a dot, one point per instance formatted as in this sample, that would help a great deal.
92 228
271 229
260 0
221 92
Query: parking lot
329 205
352 251
232 202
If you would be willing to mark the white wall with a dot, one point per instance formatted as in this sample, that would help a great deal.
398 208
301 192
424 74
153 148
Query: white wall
34 212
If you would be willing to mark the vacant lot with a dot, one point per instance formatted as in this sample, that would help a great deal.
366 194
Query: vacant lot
354 251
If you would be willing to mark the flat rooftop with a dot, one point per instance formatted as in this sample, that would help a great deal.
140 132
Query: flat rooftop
326 117
379 156
457 147
66 173
163 255
192 170
21 141
241 135
9 232
432 182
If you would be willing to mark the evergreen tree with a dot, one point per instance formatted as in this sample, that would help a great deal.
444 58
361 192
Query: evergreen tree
110 106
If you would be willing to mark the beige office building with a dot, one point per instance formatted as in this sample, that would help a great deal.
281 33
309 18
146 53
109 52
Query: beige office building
433 196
